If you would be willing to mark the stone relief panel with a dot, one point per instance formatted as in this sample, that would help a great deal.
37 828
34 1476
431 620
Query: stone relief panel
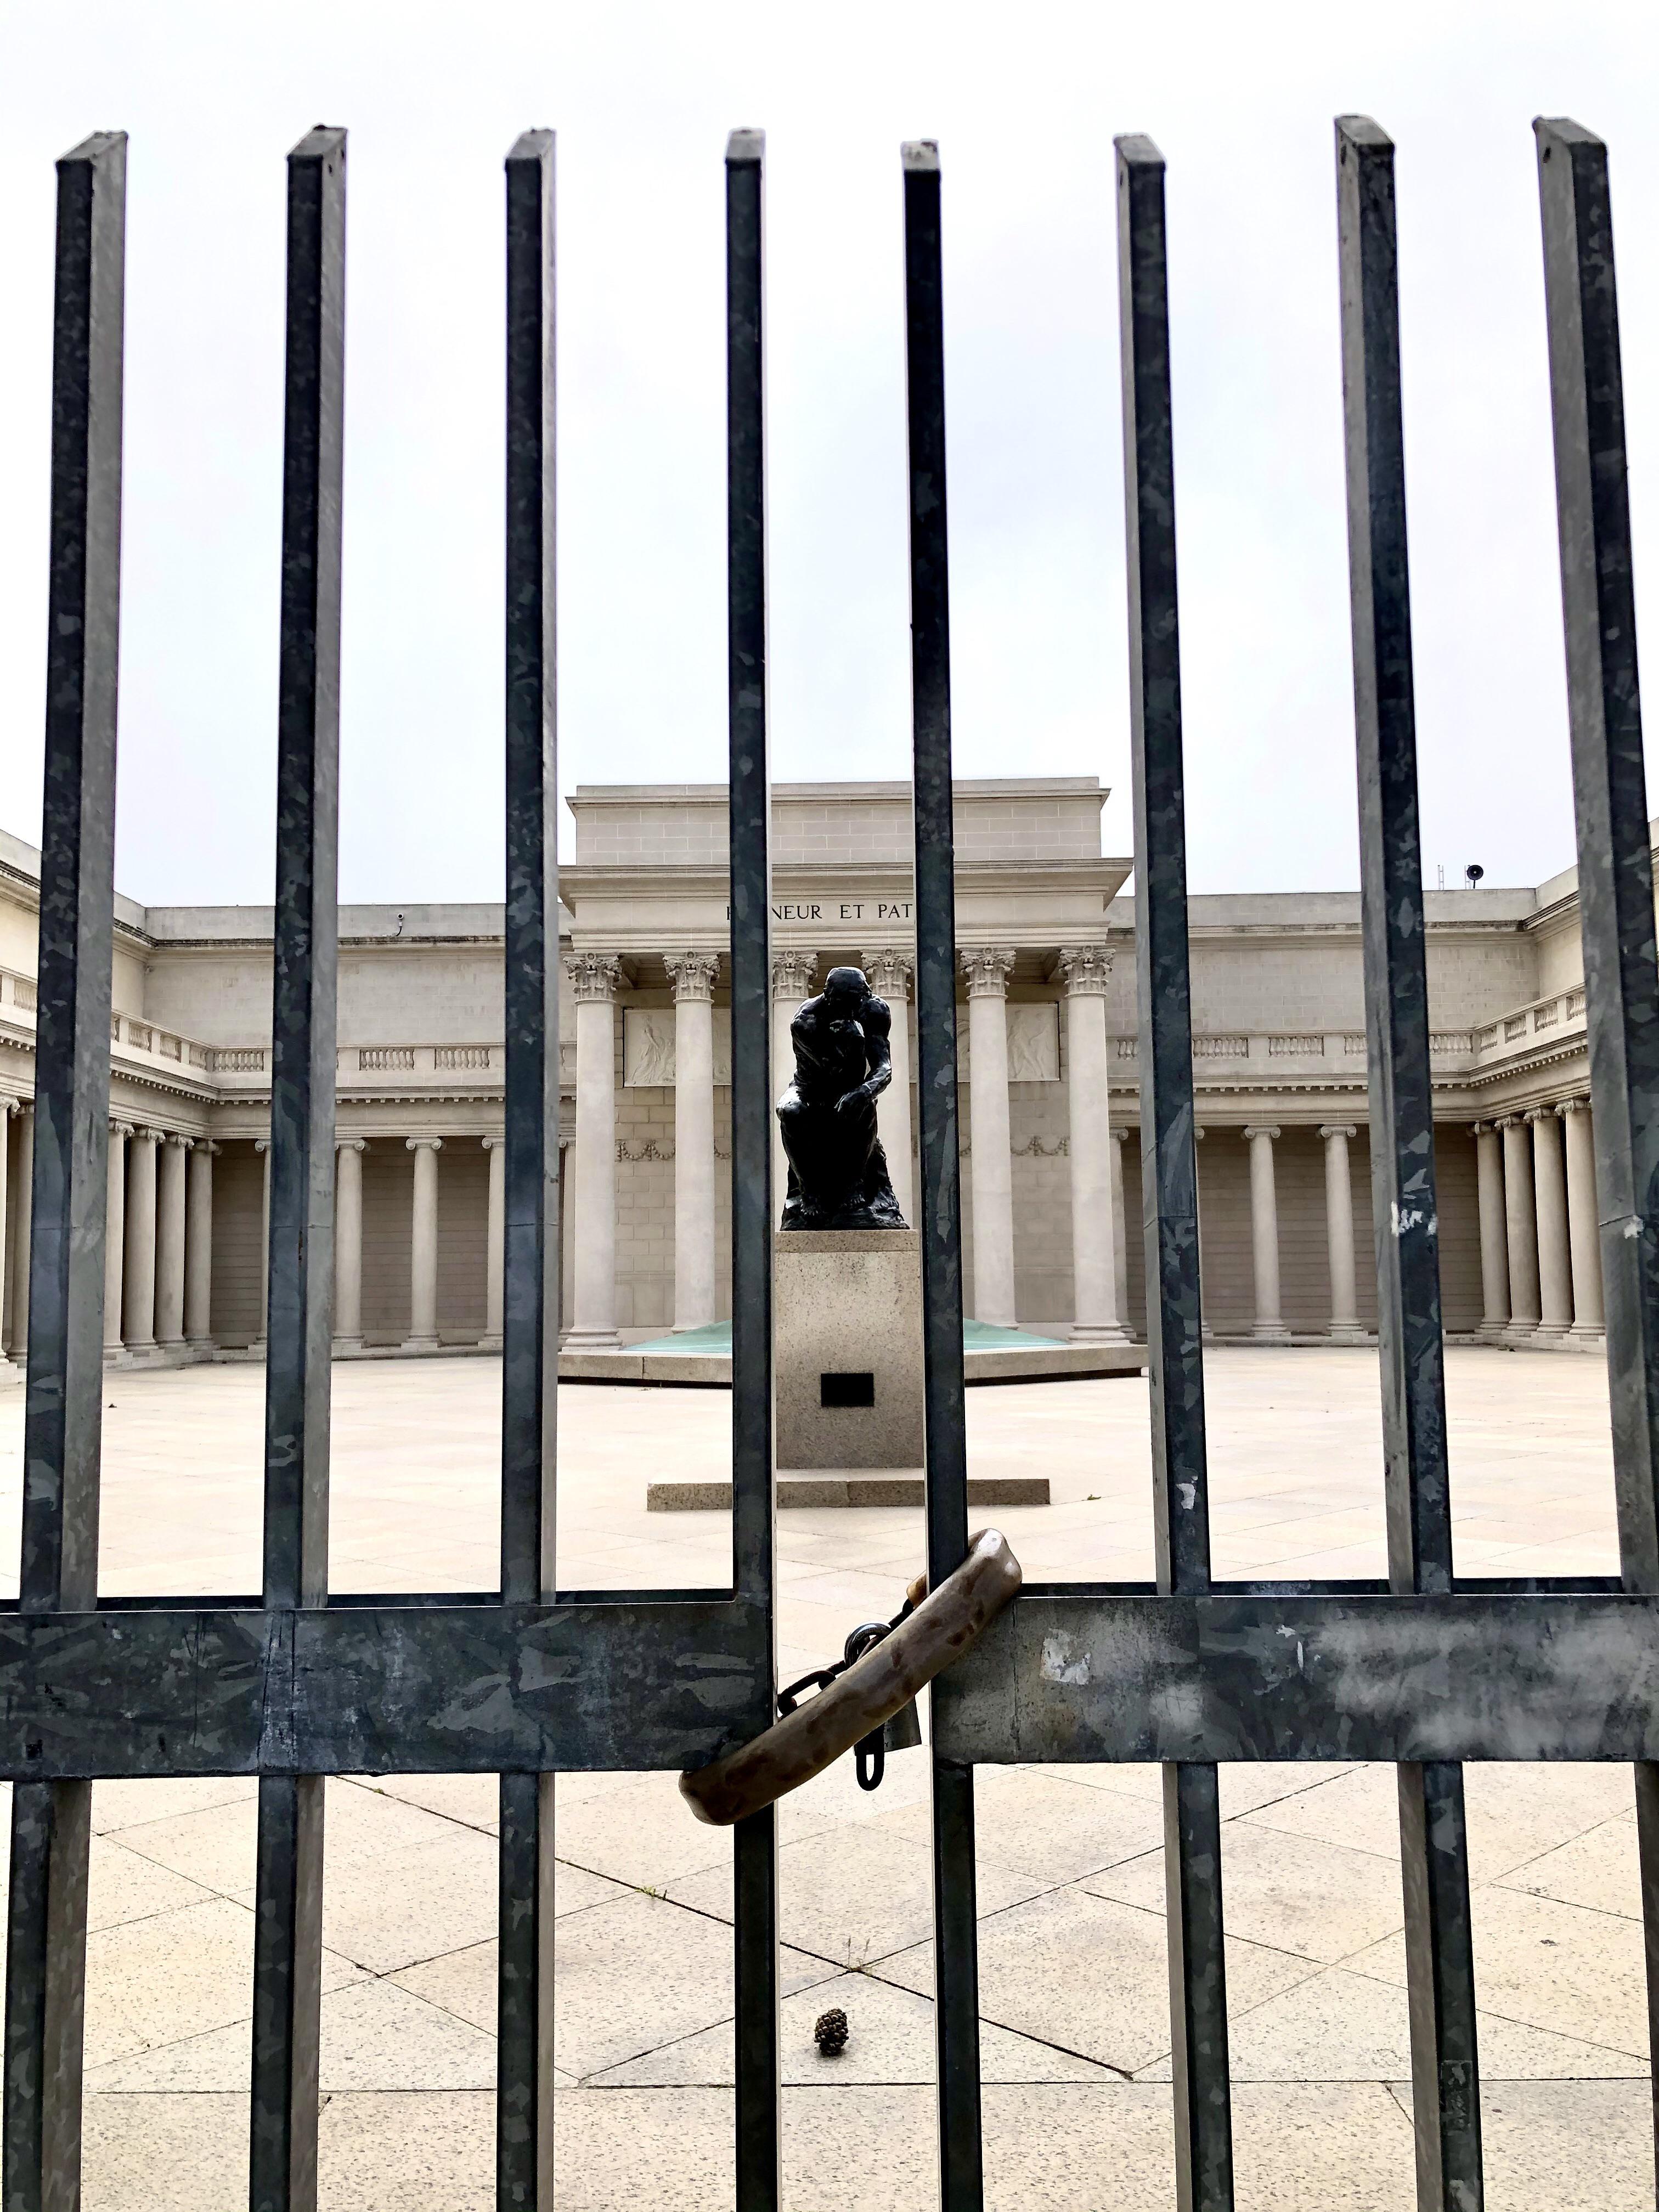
1034 1043
648 1048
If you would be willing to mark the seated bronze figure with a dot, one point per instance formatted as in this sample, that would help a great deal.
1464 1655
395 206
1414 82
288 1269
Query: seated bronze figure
838 1174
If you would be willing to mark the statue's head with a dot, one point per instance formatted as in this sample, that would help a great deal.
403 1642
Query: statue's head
845 989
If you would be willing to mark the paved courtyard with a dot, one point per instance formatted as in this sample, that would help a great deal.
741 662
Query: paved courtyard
1075 2040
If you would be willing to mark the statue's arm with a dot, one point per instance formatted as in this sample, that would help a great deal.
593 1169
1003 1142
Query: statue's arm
876 1019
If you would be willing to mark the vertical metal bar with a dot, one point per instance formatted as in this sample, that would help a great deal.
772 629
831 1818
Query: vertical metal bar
51 1822
1434 1851
1192 1817
288 1938
1615 872
956 1932
753 1527
530 1312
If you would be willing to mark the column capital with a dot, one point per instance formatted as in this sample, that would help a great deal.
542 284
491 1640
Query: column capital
492 1143
889 969
210 1146
1329 1129
151 1136
350 1144
1539 1114
1507 1122
1198 1132
1573 1106
1253 1129
120 1130
1085 969
428 1144
692 973
988 968
1118 1131
177 1136
262 1143
1481 1128
9 1107
593 976
793 973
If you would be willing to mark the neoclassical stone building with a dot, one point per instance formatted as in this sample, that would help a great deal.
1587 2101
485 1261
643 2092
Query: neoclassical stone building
1049 1104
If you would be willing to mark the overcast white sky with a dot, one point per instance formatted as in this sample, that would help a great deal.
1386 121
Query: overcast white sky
1024 101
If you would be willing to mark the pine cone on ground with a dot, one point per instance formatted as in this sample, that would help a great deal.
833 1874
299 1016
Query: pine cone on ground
830 2032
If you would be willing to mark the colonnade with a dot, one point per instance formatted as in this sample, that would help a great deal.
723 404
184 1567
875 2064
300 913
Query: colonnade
1096 1173
1540 1257
158 1244
1268 1324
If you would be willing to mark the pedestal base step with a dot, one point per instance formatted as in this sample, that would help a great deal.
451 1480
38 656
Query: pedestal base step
834 1489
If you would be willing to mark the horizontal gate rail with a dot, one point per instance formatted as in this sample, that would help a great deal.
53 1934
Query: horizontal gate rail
1067 1675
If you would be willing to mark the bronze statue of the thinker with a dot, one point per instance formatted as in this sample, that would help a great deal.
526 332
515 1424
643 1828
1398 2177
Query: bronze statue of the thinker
838 1175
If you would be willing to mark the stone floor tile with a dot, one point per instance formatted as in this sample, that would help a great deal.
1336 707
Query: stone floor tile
1598 1868
1321 1901
1554 1967
1515 1812
386 2154
651 1839
1343 2026
462 1982
631 1976
472 1799
1051 1831
1310 2147
415 1903
216 1845
376 2035
164 2153
890 2039
1088 1976
122 1886
1566 2146
117 1805
855 1893
173 1975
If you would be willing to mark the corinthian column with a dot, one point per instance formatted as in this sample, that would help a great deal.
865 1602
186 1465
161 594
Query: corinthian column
8 1108
495 1243
1583 1227
115 1238
262 1147
1494 1234
595 978
198 1250
889 973
423 1248
692 974
1550 1196
139 1331
1268 1327
170 1242
1521 1228
792 982
1120 1224
349 1244
1097 1316
23 1207
988 968
1339 1233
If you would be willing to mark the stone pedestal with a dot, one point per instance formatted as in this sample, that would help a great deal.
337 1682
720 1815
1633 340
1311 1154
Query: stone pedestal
848 1318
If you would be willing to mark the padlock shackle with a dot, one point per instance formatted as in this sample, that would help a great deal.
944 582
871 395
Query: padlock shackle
803 1743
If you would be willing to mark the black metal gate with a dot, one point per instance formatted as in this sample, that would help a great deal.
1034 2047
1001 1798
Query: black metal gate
1426 1671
